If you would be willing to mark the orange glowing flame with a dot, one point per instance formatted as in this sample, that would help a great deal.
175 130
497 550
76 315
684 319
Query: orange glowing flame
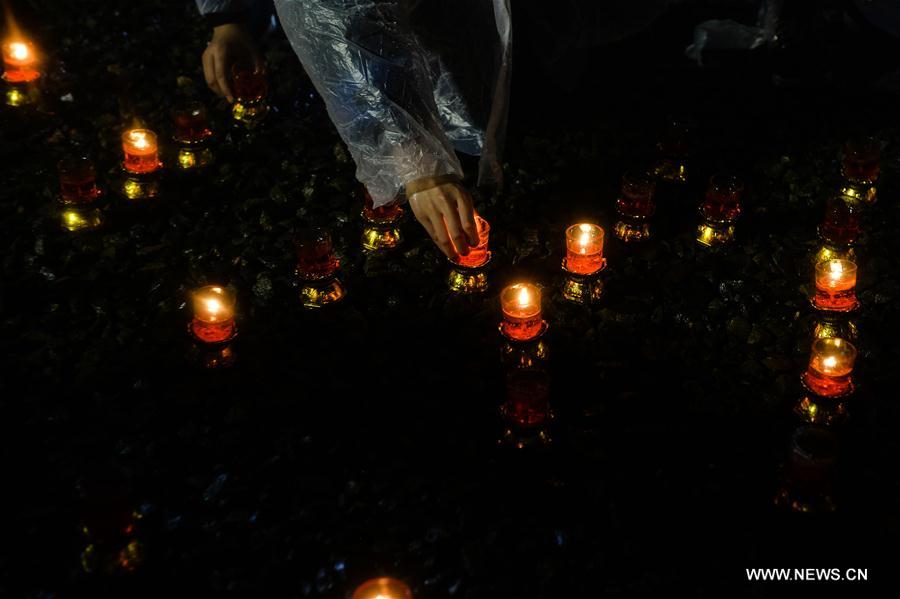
836 269
524 297
18 50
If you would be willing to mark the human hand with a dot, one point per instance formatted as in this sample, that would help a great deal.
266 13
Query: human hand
230 43
447 213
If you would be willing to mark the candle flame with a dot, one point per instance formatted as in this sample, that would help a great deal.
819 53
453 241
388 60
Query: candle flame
524 297
585 238
829 362
18 50
837 269
140 139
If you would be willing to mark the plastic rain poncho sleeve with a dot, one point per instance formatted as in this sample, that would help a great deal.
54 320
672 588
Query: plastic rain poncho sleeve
407 83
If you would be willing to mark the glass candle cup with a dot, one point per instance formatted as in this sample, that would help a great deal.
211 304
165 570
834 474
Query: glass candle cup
213 320
812 459
141 151
862 160
382 215
830 367
77 180
191 123
383 588
316 259
521 304
835 285
19 62
477 255
584 248
636 198
722 202
841 225
250 84
527 398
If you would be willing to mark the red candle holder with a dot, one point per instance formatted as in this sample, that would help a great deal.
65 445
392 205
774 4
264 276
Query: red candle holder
191 123
77 181
479 255
722 203
213 321
141 151
383 588
317 267
810 471
521 305
20 62
250 91
862 160
830 368
381 230
835 286
316 259
841 226
635 205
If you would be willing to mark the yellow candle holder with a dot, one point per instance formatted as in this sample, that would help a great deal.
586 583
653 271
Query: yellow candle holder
18 95
321 294
80 218
671 170
212 356
823 411
190 158
835 325
632 229
828 252
381 235
524 355
137 187
712 234
468 279
249 113
583 288
867 193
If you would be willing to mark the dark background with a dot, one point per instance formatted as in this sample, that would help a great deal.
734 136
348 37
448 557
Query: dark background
363 440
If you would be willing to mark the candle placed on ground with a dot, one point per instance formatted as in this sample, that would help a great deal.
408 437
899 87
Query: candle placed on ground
77 180
191 124
830 367
841 225
477 255
316 259
249 82
722 202
213 314
383 588
584 249
835 285
862 157
521 304
382 215
636 198
141 151
19 62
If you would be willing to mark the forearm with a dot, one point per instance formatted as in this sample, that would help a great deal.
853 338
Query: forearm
369 69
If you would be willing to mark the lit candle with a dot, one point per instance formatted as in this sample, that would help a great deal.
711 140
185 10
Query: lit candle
19 62
521 304
584 249
835 285
830 367
77 180
315 255
213 314
383 588
477 255
141 151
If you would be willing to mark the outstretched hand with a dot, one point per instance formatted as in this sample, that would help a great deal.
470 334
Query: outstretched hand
447 213
230 43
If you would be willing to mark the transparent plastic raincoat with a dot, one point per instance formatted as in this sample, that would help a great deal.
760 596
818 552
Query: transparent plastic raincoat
406 82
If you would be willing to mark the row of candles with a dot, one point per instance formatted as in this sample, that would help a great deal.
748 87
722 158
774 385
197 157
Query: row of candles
828 378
